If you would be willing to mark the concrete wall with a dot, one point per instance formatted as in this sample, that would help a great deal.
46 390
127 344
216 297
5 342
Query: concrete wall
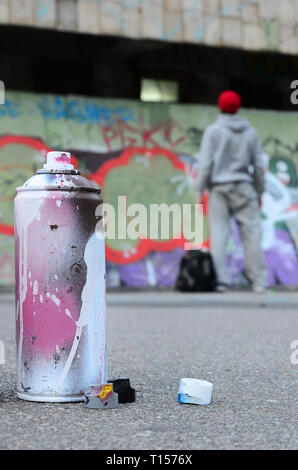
249 24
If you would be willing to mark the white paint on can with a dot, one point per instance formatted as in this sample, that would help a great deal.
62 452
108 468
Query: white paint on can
55 300
35 287
92 315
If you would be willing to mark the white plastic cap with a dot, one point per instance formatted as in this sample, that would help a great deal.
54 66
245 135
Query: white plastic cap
195 391
58 161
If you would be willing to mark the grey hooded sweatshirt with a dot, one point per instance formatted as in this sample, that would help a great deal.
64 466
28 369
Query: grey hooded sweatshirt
230 152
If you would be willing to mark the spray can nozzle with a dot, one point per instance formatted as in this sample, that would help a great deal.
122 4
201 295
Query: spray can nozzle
58 161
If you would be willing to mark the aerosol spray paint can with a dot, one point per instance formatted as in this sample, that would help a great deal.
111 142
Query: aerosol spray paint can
60 284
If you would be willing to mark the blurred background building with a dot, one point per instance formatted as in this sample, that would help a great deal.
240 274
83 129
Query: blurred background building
128 87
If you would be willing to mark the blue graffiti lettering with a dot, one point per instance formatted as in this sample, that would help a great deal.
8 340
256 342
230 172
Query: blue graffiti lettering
75 113
44 107
60 108
10 109
80 111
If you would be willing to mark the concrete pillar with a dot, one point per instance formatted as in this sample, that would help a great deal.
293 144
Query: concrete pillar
88 16
173 25
193 25
22 12
231 8
173 5
132 22
253 36
111 16
271 30
4 11
231 32
67 15
288 39
269 9
212 22
251 12
211 7
212 32
45 13
287 12
152 19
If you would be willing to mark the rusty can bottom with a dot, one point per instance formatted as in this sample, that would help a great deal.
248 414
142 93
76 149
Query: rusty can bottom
50 399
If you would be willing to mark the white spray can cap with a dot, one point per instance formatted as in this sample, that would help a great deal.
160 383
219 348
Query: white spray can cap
58 161
195 391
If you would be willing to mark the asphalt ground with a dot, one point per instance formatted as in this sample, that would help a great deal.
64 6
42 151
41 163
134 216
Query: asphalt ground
239 342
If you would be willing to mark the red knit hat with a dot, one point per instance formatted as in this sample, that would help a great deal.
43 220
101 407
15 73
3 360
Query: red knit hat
229 101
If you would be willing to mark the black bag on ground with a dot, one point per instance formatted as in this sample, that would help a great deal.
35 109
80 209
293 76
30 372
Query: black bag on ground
197 273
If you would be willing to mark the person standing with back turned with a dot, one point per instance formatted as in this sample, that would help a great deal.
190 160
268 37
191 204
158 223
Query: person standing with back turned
231 167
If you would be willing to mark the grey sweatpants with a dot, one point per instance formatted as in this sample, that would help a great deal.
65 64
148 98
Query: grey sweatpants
238 200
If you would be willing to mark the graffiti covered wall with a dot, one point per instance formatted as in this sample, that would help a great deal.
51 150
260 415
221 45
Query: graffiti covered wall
150 153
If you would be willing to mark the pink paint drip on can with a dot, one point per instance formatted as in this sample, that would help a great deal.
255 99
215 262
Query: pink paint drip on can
60 284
